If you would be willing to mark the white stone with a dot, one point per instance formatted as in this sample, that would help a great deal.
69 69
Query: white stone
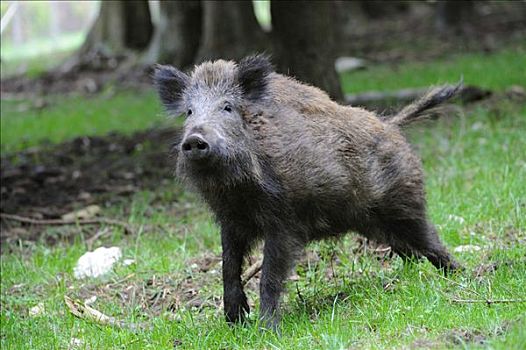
97 263
346 64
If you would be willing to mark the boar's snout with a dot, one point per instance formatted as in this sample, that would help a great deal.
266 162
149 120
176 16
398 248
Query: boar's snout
195 147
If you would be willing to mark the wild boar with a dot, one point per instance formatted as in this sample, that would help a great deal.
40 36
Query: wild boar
279 161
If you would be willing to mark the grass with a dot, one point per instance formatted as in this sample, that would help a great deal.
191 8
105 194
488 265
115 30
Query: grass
476 170
495 71
23 125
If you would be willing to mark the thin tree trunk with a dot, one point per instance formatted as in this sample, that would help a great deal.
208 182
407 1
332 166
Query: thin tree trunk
377 9
120 26
452 15
303 38
230 31
138 22
177 35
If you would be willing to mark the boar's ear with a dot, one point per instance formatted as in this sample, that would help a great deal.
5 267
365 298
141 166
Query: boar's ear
170 83
252 75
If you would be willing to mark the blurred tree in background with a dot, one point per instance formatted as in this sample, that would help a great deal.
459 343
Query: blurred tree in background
452 15
303 34
121 25
230 31
304 37
177 34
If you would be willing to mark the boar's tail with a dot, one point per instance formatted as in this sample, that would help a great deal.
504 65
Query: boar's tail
416 110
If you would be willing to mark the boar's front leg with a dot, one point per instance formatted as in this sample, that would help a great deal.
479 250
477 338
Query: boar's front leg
280 254
235 247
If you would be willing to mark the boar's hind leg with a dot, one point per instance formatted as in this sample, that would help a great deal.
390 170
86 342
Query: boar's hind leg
437 253
415 238
235 247
280 254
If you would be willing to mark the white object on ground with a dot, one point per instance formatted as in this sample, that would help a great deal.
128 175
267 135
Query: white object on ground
90 300
346 64
128 262
76 343
456 218
97 262
467 248
36 310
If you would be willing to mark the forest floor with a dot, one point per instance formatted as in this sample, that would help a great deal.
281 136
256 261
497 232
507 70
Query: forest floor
114 154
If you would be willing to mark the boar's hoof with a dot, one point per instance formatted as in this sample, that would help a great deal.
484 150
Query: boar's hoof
236 311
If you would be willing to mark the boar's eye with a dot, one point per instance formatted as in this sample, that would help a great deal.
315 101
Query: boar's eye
228 108
189 112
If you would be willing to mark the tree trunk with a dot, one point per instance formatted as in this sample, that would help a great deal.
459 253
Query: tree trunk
376 9
138 22
177 35
452 15
303 38
231 31
120 26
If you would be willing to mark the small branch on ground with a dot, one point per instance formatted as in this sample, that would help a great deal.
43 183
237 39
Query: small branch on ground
251 272
457 283
81 310
488 301
59 222
467 94
85 312
122 280
99 234
300 296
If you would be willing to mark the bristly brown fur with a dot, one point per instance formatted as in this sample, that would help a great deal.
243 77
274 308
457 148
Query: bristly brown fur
288 165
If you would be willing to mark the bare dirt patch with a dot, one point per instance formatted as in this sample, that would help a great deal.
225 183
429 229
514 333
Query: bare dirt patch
45 183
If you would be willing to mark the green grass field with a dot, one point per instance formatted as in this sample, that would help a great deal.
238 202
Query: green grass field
494 71
25 126
344 296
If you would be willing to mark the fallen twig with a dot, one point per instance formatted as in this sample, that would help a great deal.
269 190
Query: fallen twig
467 94
60 222
488 301
251 272
99 234
371 98
457 283
300 296
120 281
81 310
472 301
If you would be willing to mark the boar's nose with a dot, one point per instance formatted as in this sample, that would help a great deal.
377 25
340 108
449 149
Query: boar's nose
195 147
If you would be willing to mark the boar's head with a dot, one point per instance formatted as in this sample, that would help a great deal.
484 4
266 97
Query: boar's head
215 148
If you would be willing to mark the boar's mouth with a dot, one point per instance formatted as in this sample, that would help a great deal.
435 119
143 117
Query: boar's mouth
217 168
